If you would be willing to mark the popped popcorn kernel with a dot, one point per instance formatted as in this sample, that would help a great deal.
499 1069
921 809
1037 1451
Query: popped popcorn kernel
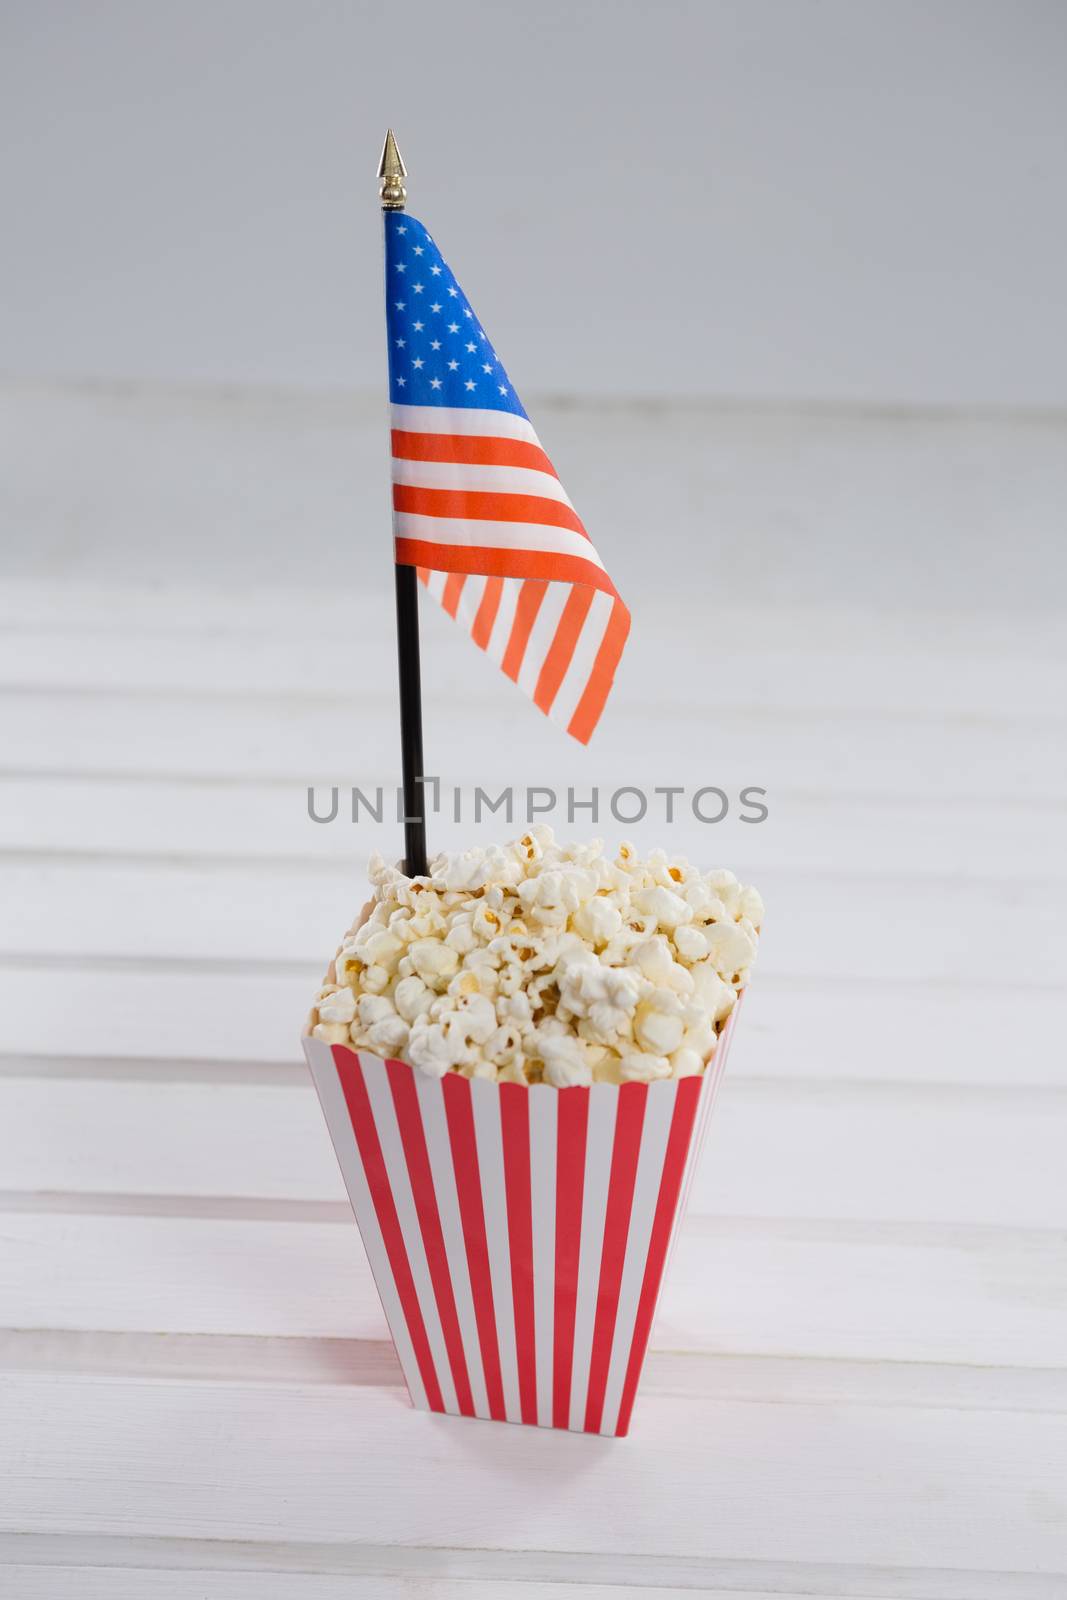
668 908
340 1006
330 1032
388 1036
637 1067
658 1024
686 1063
564 1060
731 947
543 962
434 962
412 998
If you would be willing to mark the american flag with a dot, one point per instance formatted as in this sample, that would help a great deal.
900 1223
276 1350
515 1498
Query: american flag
477 505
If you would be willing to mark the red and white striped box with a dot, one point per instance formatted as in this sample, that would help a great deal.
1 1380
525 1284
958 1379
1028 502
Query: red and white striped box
518 1236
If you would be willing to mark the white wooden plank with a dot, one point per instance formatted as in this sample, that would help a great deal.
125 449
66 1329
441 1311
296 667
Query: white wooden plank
45 1582
235 1358
893 1153
224 735
227 1570
809 836
853 1291
169 484
945 1036
818 658
963 1489
544 1575
893 932
88 605
61 1011
813 1030
130 1138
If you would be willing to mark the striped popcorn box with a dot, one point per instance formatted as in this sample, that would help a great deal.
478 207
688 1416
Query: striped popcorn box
518 1236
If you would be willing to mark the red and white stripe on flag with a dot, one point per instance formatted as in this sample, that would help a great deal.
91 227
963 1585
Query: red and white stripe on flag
518 1237
479 510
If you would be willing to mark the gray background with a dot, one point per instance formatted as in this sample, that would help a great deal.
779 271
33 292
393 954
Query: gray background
783 199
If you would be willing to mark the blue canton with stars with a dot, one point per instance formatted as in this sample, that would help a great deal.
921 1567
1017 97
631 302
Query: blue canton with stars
439 353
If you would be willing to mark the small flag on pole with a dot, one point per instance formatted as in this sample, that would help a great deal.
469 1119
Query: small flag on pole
477 505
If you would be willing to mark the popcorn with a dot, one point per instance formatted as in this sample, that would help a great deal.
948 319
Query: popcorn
690 943
429 1049
716 997
636 1067
412 998
388 1036
603 997
331 1032
486 923
382 949
658 1024
655 961
564 1060
731 947
435 963
340 1006
686 1063
597 920
503 1044
515 1009
668 909
700 1037
542 962
751 907
478 1017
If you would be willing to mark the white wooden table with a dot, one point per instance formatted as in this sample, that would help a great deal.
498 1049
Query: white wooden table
857 1385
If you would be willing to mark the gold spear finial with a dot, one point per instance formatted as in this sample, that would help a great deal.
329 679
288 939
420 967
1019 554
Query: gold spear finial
391 174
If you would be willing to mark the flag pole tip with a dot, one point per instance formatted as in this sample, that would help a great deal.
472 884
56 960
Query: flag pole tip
391 175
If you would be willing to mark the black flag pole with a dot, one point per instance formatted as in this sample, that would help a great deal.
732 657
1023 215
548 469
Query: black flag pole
393 195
